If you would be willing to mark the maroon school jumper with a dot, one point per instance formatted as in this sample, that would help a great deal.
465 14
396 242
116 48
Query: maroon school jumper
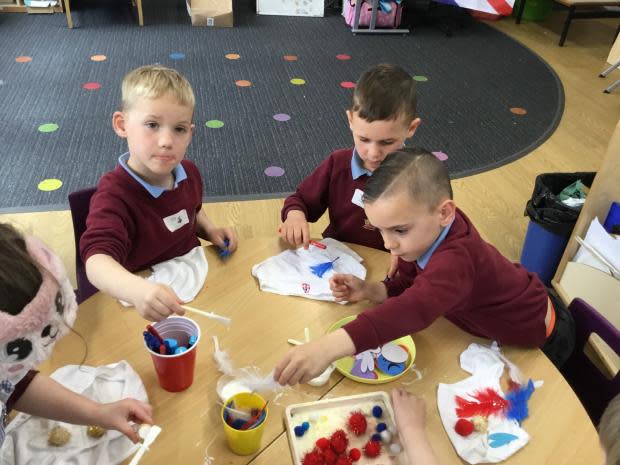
127 223
468 282
331 185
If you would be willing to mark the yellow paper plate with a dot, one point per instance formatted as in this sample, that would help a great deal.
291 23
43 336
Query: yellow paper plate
344 365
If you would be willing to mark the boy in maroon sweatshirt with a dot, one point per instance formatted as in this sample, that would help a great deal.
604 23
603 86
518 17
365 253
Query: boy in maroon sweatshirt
149 209
381 118
445 269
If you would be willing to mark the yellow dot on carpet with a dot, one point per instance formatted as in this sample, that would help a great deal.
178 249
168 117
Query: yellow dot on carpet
48 185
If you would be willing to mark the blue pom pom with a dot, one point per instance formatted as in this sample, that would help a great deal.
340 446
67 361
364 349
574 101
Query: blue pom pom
299 431
377 411
305 425
381 427
375 437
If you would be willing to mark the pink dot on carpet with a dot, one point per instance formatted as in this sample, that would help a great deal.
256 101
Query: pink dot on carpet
91 86
281 117
347 84
274 171
343 56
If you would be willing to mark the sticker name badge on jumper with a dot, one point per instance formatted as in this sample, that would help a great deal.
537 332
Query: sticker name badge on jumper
176 221
357 198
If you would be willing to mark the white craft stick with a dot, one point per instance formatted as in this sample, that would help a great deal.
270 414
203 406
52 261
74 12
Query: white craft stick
152 434
214 316
294 342
614 271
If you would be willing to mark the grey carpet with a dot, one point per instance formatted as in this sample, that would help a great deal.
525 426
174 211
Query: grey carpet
474 78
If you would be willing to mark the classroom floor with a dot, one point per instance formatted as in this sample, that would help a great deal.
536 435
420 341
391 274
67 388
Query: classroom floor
494 200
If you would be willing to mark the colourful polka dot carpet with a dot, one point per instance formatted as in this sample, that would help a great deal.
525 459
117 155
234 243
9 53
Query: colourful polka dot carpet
271 95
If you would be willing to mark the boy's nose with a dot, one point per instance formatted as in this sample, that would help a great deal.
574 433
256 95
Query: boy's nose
165 139
388 243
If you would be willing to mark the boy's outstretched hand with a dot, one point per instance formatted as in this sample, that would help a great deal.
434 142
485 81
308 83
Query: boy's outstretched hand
295 230
302 363
393 266
346 287
409 410
117 415
156 301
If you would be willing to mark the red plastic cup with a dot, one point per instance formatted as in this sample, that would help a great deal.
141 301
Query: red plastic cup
176 372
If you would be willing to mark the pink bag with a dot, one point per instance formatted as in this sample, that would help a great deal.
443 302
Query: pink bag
391 19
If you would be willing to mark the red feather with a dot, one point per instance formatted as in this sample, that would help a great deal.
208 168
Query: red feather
489 402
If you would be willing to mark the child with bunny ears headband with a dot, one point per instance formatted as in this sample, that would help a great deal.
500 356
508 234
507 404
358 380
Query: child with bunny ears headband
37 308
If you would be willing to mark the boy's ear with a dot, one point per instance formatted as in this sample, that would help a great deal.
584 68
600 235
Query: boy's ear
118 124
447 211
413 127
350 118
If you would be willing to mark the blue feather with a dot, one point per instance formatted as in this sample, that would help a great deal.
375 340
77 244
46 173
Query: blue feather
518 402
501 439
323 268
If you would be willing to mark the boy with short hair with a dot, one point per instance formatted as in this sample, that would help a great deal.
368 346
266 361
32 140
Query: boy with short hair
149 209
444 269
381 118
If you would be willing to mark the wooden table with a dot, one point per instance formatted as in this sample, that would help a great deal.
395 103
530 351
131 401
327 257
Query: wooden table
560 429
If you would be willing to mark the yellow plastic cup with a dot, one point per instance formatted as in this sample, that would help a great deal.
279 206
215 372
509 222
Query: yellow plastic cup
245 442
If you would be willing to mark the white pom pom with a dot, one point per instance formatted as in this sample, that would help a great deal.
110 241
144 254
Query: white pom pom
386 436
395 449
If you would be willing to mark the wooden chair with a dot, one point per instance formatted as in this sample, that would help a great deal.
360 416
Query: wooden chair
79 203
135 3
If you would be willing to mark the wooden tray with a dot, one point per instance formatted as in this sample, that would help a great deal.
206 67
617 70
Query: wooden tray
330 409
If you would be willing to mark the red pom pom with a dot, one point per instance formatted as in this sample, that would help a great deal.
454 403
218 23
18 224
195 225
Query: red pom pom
339 441
330 457
355 454
344 460
322 443
357 423
314 457
372 449
464 427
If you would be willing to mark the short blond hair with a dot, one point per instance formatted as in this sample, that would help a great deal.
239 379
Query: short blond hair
609 432
155 81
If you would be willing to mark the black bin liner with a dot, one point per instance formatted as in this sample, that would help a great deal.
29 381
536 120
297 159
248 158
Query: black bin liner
546 209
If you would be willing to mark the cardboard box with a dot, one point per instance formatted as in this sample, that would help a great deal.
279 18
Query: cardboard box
216 13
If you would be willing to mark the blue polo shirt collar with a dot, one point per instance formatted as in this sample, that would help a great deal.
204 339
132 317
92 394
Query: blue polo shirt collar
357 166
426 256
155 191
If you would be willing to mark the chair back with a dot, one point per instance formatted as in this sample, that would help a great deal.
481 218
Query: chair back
79 203
593 388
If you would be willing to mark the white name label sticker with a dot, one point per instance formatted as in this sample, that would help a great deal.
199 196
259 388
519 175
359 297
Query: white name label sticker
357 198
176 221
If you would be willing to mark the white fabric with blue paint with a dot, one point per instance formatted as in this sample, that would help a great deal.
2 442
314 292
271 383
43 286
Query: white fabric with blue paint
289 272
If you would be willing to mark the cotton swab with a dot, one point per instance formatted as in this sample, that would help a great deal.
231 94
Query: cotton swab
294 342
214 316
307 335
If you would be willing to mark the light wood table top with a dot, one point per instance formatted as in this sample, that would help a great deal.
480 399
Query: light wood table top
560 429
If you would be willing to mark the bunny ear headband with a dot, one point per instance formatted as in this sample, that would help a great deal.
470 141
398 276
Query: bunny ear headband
42 308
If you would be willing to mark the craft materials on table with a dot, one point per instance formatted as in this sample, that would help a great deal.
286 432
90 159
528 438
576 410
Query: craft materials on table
483 423
148 434
240 380
344 430
172 344
27 436
306 272
380 365
244 434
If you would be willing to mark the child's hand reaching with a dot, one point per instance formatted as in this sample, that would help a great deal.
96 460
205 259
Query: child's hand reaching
219 236
409 410
157 301
346 287
117 415
302 363
295 230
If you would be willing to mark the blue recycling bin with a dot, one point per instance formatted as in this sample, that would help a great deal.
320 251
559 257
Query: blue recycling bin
542 251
